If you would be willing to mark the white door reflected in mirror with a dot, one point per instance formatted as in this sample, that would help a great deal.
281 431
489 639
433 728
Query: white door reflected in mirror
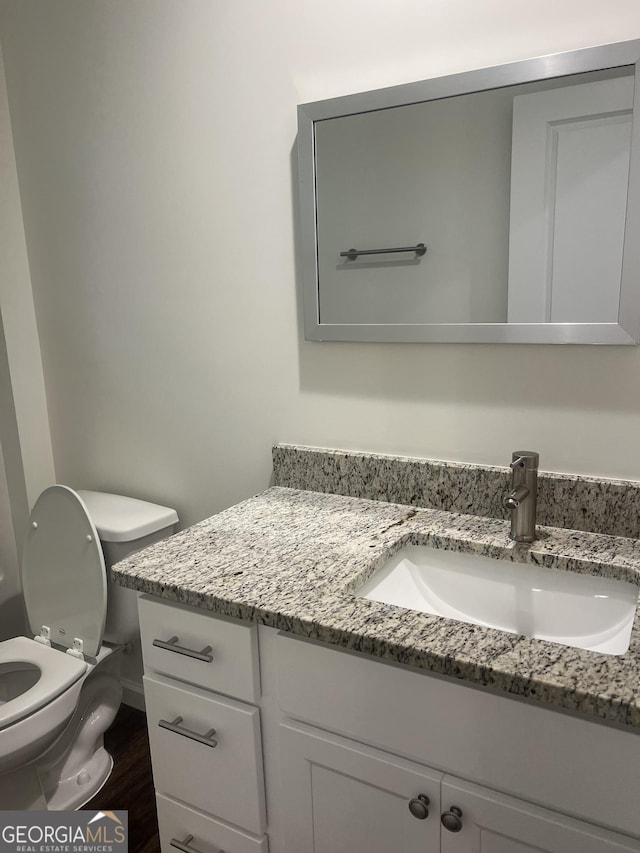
569 176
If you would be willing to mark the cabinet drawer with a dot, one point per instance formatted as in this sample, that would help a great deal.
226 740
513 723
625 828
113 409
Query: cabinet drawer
229 665
176 822
219 773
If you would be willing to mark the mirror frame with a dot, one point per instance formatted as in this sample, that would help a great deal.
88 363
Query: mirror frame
625 331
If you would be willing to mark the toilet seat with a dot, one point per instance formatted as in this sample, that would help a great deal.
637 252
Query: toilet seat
58 671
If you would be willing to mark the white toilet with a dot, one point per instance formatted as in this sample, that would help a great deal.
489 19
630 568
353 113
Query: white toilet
60 691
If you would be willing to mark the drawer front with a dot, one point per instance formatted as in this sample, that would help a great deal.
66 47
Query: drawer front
176 822
209 651
219 773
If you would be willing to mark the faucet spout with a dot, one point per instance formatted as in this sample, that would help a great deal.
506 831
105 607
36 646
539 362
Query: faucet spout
515 498
523 496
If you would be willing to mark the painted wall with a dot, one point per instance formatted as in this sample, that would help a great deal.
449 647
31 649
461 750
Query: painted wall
13 505
155 151
11 612
26 458
18 316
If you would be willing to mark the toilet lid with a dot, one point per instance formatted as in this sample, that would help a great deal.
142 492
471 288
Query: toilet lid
63 573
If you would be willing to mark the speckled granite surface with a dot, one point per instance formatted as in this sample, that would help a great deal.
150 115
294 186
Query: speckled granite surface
291 559
564 500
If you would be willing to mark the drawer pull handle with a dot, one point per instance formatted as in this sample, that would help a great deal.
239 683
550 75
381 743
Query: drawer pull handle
171 645
174 726
185 845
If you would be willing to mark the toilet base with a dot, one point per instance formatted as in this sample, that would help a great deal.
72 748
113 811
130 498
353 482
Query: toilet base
22 790
78 765
75 791
73 764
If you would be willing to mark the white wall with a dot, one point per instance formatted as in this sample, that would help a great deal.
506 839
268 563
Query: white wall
11 613
13 505
19 320
26 457
155 150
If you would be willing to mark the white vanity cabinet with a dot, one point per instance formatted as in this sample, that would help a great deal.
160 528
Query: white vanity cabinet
201 674
362 740
346 797
363 755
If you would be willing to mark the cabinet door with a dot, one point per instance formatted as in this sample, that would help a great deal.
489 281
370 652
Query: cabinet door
493 823
347 798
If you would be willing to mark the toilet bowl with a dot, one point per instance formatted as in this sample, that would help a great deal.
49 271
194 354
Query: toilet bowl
60 690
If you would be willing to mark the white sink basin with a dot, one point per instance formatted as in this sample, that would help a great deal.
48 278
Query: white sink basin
579 610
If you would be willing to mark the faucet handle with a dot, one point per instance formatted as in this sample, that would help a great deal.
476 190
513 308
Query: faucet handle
524 459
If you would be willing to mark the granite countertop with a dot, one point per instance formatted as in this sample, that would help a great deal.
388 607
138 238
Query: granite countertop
291 559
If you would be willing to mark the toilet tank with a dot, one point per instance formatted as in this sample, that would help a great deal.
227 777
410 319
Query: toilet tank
125 525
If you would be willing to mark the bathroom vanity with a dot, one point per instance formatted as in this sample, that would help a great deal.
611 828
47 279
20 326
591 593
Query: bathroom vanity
289 714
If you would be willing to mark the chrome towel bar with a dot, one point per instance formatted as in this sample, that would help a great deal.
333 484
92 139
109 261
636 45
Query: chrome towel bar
420 249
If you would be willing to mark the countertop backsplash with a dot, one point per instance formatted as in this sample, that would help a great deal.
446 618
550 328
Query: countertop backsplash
576 502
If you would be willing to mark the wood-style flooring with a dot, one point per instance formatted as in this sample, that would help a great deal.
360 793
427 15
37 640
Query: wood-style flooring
130 785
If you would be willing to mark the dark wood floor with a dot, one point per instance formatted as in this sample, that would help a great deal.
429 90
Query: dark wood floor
130 785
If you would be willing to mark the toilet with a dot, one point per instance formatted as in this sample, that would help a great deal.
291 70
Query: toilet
60 687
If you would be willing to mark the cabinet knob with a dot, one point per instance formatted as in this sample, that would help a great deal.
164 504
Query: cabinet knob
418 806
451 819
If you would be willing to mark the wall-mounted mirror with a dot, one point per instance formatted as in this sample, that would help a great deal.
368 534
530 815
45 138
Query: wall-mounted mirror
495 206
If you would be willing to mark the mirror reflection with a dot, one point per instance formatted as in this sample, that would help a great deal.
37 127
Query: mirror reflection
492 206
519 194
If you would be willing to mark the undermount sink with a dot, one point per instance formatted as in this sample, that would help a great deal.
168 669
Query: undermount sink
579 610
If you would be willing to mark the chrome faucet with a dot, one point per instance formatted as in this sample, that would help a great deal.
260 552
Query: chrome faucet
523 496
